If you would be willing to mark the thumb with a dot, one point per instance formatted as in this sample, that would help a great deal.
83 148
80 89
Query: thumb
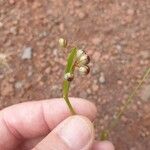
74 133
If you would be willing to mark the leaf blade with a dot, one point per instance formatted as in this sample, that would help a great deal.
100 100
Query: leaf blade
69 68
66 84
70 60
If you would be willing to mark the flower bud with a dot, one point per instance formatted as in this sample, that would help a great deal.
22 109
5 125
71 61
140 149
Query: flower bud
62 42
84 59
68 76
80 52
84 70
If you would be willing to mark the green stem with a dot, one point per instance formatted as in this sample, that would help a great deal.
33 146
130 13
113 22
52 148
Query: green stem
117 117
70 67
65 93
69 105
129 99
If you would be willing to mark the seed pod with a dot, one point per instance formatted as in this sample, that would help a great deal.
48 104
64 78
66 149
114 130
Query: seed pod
63 42
68 76
84 70
84 60
80 52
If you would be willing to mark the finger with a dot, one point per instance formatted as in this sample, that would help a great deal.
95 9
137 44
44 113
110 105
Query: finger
29 144
74 133
103 145
34 119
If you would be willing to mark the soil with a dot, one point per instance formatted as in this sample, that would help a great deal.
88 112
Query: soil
116 35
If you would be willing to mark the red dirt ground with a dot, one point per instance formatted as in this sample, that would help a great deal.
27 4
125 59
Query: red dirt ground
116 35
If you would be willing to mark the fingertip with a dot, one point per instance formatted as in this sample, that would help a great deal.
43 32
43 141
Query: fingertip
90 107
103 145
59 108
74 127
76 132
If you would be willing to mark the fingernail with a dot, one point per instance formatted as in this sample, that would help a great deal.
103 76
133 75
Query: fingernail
76 132
103 145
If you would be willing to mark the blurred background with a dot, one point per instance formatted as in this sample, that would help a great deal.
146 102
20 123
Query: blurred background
116 35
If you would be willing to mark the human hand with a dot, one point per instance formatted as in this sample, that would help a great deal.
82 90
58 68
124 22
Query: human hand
46 125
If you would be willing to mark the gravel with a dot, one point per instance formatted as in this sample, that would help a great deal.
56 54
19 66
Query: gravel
145 93
102 79
27 53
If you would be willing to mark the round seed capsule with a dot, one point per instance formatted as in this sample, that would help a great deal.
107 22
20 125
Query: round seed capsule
62 42
80 52
84 70
84 59
68 76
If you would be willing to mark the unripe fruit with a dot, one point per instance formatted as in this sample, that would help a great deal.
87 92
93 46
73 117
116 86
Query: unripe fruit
62 42
84 60
84 70
69 76
80 52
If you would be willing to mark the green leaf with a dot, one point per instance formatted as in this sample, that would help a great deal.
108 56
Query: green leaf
69 68
70 60
66 84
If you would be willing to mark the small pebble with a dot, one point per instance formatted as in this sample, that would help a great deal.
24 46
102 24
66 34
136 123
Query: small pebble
119 82
1 24
43 34
13 30
119 47
18 85
12 2
145 93
95 87
96 40
130 11
145 54
96 56
102 78
77 3
61 27
7 88
3 60
81 15
27 53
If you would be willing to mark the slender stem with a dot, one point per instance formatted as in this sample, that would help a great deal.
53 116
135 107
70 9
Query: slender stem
65 95
117 117
69 105
129 99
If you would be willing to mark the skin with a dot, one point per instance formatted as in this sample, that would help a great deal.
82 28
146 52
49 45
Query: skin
47 125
